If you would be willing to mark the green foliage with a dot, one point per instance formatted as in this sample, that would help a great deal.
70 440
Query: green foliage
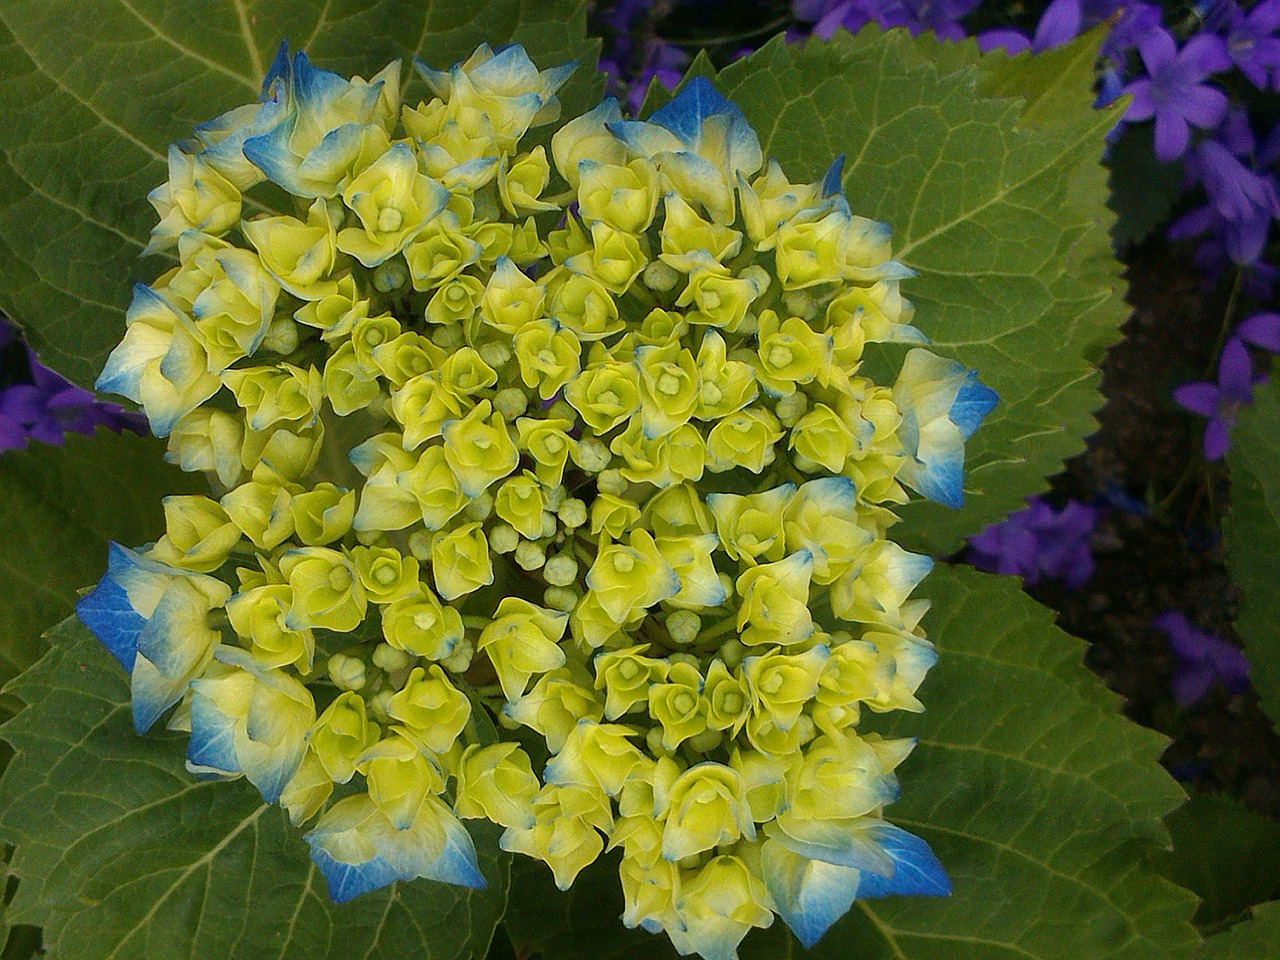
59 506
1039 798
1252 534
1143 190
122 854
998 202
93 91
1226 854
1254 939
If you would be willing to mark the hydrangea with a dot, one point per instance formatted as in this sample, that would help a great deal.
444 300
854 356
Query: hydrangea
575 439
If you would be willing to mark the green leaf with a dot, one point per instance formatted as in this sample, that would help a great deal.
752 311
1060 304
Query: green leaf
122 855
999 203
1251 531
93 91
59 506
1225 853
1254 939
1040 799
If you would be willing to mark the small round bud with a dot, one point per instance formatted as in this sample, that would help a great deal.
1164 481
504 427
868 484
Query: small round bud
612 481
379 705
561 570
556 495
511 402
530 555
503 538
420 545
390 659
282 336
390 275
791 408
660 277
460 660
561 598
495 353
732 652
480 507
684 625
448 336
706 741
562 410
548 524
572 513
593 456
347 673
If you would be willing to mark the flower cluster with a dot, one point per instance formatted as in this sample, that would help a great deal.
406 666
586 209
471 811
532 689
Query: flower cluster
1039 541
577 440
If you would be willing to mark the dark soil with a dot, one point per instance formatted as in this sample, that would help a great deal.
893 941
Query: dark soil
1168 556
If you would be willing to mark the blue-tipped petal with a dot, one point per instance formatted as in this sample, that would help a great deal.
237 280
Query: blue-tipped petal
833 180
212 742
152 693
684 113
110 617
973 402
457 861
916 869
809 895
346 881
269 152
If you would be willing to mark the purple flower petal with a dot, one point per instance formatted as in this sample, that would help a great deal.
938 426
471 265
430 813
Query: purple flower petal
1172 135
1201 398
1203 106
1261 330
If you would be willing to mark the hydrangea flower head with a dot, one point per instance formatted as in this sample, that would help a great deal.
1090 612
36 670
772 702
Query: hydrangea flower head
579 439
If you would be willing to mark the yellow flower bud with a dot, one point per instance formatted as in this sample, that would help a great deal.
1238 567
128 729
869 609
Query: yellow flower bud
347 384
283 394
522 180
342 735
421 625
678 705
199 535
323 514
548 355
496 782
522 640
336 313
554 707
743 439
626 677
326 591
400 778
300 256
478 449
705 807
775 601
460 561
582 304
386 574
431 707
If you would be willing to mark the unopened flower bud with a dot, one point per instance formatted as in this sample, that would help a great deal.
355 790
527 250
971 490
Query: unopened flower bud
503 538
511 402
390 659
347 673
561 570
572 513
530 555
683 625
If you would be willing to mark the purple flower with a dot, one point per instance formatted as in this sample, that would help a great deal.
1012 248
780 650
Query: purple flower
1220 401
1060 23
1136 21
939 16
1039 541
1251 40
1174 91
50 407
1237 193
1203 659
1261 330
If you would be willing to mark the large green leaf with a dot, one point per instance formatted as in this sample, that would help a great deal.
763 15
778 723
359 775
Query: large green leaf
122 855
1226 854
93 91
987 171
1039 798
1252 534
58 507
1255 939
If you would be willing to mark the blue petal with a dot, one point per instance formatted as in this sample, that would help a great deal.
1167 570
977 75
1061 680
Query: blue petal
916 869
832 183
684 113
107 613
348 880
152 693
269 152
457 861
314 87
212 742
280 68
973 402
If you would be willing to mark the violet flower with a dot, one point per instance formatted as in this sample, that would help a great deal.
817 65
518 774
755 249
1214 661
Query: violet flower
1220 401
1203 659
1060 23
1251 39
1039 541
49 407
1174 92
1261 330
